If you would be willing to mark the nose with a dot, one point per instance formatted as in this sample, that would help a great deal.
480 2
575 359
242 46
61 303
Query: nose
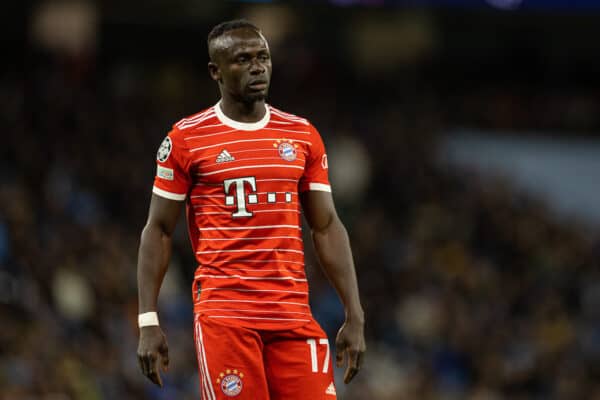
256 67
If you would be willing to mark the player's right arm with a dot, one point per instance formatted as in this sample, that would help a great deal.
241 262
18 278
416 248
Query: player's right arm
153 260
171 185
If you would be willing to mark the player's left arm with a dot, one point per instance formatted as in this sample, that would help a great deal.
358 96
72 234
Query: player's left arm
333 250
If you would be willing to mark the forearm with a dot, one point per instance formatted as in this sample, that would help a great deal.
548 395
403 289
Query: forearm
333 249
153 261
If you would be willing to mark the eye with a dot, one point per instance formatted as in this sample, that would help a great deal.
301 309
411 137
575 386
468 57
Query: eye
241 59
263 57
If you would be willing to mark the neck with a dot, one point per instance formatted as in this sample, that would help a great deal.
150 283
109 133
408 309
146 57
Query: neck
241 111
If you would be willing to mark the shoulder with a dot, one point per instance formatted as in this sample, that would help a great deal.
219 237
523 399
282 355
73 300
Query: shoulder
282 117
292 121
194 121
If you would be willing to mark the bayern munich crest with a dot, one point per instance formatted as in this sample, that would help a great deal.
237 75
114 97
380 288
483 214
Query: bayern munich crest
164 150
230 382
286 149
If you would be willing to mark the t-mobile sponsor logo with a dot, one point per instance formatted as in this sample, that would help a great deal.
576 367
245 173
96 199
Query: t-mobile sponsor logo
240 195
239 198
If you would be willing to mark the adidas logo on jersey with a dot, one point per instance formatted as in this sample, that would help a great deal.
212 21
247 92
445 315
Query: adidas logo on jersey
224 156
330 389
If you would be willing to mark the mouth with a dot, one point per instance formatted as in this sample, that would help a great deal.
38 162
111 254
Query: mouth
258 85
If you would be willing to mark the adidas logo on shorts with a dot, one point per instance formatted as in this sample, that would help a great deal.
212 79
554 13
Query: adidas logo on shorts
224 156
330 389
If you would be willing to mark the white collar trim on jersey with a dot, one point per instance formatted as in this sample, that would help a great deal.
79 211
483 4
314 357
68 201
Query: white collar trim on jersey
245 126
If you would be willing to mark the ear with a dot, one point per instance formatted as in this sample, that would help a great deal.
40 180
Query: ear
214 71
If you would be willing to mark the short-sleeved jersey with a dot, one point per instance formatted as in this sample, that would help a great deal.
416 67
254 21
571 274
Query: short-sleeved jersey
241 183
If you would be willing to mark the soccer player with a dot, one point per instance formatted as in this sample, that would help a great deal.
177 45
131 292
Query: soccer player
244 171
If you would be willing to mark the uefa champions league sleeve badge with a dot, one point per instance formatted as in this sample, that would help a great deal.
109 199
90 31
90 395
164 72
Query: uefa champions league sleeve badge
164 150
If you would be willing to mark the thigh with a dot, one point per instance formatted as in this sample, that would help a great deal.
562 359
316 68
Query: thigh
230 361
298 364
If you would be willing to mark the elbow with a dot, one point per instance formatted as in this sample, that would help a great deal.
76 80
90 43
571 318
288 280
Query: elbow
154 230
325 225
333 225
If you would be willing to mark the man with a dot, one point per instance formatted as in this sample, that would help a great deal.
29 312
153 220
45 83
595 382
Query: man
244 169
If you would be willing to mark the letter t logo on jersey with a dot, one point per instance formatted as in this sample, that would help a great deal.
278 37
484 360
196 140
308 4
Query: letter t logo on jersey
240 195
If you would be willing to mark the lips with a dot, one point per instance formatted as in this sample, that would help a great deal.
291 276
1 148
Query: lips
258 85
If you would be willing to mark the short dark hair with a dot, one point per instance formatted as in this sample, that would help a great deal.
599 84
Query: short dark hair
230 26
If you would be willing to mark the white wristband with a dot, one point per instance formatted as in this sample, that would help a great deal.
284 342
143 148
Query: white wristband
148 319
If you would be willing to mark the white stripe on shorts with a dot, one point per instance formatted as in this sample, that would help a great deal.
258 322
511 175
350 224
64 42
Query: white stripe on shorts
210 391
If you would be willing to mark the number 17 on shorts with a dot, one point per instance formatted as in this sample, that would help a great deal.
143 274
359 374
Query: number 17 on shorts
313 354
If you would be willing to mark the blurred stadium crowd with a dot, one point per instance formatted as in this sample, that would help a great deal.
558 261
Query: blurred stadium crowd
472 289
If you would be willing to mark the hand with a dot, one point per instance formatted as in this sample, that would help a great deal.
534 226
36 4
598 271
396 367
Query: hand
152 352
350 339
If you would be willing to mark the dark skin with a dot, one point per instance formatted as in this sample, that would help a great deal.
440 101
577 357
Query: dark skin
241 65
333 249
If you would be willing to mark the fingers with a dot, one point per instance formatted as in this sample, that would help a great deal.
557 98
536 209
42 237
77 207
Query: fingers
360 359
141 364
153 374
164 357
153 353
354 363
354 360
340 348
350 339
149 365
145 363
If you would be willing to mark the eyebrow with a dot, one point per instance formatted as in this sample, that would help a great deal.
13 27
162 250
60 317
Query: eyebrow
246 51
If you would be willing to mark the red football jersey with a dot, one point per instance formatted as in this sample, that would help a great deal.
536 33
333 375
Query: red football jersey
241 183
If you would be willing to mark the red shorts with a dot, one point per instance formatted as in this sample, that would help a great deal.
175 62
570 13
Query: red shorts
242 363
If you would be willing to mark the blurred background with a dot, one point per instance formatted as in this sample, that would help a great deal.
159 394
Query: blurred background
464 147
